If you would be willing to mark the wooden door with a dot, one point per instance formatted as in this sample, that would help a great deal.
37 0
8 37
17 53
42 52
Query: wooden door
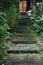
22 6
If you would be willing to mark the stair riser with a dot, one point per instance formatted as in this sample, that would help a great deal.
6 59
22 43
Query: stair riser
24 48
24 59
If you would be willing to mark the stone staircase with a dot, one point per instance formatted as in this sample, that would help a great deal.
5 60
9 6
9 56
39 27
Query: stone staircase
24 49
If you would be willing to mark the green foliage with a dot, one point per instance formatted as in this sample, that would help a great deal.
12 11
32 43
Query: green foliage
3 27
12 16
3 34
6 22
41 54
5 4
37 24
11 8
37 17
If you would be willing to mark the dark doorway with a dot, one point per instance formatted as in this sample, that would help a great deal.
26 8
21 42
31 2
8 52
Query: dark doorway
28 5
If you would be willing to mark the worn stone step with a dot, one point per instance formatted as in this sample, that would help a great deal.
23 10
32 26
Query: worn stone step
41 46
23 48
24 39
40 43
40 40
24 22
23 17
23 34
24 27
24 59
18 40
22 30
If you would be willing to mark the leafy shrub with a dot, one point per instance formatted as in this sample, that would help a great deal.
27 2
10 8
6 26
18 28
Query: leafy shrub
37 17
37 24
3 34
12 16
6 4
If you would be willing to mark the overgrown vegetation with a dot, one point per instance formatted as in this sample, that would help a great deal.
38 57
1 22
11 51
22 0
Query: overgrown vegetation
3 36
6 4
8 18
37 18
12 16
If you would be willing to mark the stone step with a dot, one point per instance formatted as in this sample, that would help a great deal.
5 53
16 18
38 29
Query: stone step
40 40
25 21
23 17
21 40
22 34
23 30
24 59
41 46
24 27
19 30
40 43
24 37
23 48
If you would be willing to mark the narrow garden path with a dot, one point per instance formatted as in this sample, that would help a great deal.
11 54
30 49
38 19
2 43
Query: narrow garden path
25 50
